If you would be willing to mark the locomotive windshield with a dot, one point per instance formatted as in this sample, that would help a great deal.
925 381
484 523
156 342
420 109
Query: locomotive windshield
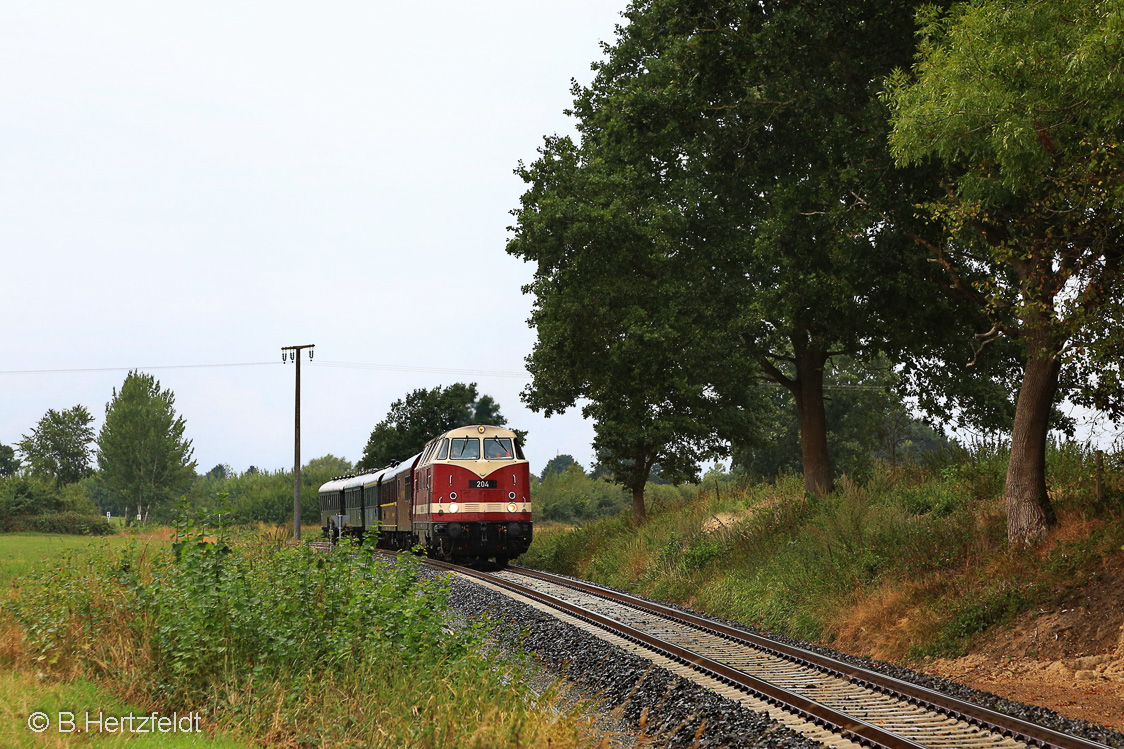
497 448
464 448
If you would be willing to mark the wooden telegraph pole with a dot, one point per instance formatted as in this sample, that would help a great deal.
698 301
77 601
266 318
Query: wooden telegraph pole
293 353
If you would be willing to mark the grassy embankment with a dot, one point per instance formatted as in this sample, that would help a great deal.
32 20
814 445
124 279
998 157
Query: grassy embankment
274 644
914 562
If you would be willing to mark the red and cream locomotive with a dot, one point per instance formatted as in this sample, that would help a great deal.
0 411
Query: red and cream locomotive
465 497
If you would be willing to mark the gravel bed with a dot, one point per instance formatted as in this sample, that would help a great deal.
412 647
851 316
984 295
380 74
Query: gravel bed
1031 713
670 709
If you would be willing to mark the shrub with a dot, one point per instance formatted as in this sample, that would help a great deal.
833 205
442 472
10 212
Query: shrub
74 523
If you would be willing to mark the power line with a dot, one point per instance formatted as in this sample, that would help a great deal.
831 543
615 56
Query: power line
129 369
430 370
331 364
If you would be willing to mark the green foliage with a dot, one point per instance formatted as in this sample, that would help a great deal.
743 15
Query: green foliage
29 495
279 642
422 415
1021 106
220 471
9 463
67 521
614 328
267 496
731 213
59 445
868 420
143 457
973 615
769 554
35 503
560 464
570 496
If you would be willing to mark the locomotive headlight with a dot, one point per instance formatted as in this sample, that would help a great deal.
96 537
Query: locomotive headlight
454 507
511 507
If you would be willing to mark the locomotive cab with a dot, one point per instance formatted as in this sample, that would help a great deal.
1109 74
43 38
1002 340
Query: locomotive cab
472 495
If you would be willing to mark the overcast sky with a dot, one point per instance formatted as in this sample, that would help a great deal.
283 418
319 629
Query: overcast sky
204 183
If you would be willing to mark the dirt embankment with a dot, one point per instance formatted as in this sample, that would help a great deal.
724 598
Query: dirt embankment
1070 659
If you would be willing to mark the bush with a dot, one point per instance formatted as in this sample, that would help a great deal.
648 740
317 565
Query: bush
74 523
264 496
571 496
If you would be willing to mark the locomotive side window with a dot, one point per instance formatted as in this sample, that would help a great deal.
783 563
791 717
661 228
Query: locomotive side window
444 449
497 448
519 451
464 448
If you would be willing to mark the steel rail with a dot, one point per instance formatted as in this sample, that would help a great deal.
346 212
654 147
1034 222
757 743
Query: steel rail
1022 730
846 725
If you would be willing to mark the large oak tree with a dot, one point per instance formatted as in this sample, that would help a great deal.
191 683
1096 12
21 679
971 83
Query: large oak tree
1023 106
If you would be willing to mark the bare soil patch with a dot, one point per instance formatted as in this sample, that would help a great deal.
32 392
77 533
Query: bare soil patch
1070 659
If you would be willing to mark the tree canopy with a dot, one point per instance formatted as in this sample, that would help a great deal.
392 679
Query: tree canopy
731 213
59 445
867 419
9 463
560 464
1021 104
143 456
422 415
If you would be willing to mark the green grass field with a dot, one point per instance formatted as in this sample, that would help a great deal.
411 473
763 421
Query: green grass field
22 552
22 692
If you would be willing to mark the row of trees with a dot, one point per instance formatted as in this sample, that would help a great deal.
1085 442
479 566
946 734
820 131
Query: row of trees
760 189
143 458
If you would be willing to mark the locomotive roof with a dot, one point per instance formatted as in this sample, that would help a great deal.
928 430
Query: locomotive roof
478 430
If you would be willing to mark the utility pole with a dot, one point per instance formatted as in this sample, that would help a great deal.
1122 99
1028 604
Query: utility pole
293 354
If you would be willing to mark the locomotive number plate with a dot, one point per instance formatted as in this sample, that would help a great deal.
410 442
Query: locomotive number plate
482 484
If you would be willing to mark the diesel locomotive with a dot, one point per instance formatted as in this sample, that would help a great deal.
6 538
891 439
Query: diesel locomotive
466 497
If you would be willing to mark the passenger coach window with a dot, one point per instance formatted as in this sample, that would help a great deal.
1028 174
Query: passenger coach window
444 449
464 448
497 448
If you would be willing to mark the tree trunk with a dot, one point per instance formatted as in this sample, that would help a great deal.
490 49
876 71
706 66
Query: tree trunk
639 514
808 392
1029 511
638 480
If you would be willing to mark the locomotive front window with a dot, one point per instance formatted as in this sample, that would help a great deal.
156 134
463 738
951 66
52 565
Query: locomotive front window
519 451
444 449
497 448
464 448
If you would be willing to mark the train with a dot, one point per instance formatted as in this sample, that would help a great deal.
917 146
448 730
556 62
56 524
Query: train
465 498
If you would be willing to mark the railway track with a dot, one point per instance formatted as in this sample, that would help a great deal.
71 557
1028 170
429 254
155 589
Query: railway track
827 699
